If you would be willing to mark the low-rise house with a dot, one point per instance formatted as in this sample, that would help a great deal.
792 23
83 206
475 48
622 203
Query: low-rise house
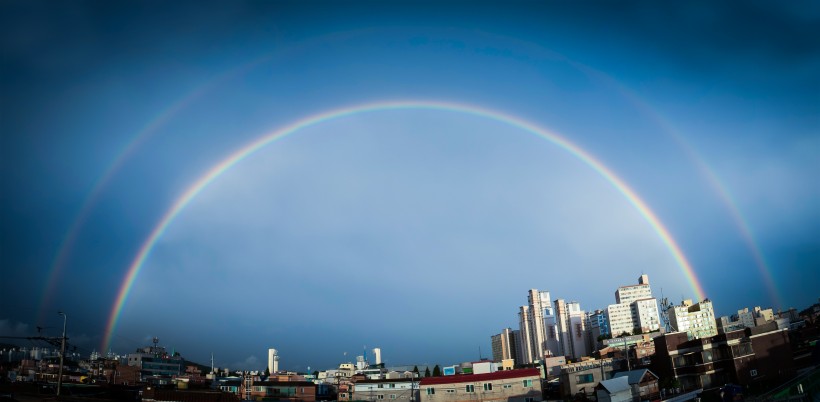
304 391
614 390
643 383
522 385
583 377
392 389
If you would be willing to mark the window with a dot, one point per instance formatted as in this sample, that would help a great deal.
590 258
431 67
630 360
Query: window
431 391
509 385
470 388
380 396
529 399
488 386
392 385
392 396
450 391
343 395
380 386
528 383
584 378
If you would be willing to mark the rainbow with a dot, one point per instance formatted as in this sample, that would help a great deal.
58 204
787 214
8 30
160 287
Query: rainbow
147 131
194 189
717 185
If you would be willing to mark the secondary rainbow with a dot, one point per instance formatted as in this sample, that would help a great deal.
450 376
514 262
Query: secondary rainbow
194 189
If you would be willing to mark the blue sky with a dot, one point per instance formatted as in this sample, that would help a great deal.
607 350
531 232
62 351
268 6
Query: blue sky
419 231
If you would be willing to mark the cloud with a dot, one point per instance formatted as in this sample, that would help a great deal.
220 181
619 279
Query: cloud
250 363
13 328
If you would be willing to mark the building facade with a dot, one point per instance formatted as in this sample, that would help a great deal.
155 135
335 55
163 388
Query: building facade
635 310
396 389
583 377
571 325
503 345
273 361
758 356
696 320
537 324
522 385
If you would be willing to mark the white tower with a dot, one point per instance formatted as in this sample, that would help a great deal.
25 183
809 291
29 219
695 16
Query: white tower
377 354
273 361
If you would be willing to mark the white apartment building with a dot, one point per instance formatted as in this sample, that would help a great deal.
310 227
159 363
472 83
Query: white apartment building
620 319
635 309
697 320
571 324
646 311
631 293
538 327
273 361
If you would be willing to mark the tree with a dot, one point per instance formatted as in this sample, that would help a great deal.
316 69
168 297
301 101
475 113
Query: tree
315 373
427 372
267 371
436 371
416 371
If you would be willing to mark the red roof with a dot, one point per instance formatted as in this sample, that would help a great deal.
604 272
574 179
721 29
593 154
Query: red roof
498 375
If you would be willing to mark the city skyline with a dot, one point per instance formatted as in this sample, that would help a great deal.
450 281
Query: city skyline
317 179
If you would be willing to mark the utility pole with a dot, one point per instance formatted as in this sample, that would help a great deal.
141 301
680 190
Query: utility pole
62 355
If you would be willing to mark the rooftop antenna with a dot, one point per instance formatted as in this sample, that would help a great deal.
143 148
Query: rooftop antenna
665 313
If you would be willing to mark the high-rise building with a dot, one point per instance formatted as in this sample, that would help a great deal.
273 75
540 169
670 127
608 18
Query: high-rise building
571 325
504 345
635 310
516 347
273 361
697 320
539 335
524 325
598 327
377 355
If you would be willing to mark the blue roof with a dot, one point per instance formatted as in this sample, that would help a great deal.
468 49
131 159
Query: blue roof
616 384
634 376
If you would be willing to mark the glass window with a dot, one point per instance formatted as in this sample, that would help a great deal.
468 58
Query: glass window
585 378
488 386
528 383
431 391
470 388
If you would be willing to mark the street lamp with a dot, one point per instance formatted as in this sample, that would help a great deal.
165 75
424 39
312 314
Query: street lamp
62 354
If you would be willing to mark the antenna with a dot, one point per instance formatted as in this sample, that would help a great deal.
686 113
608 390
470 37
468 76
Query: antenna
665 313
